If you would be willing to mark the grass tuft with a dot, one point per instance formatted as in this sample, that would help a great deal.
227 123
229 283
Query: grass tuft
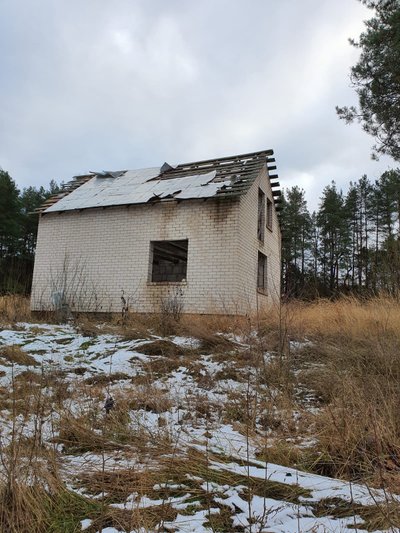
15 355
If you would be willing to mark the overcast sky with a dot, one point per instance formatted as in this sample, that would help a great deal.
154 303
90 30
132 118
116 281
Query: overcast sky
101 84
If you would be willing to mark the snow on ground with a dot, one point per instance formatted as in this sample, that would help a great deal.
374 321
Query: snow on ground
62 348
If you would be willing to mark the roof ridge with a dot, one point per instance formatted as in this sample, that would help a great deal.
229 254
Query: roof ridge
248 155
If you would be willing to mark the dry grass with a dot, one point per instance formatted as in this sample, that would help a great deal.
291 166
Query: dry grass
161 347
135 326
182 475
14 308
20 510
349 372
189 324
146 397
40 508
15 355
349 317
185 475
81 434
106 379
35 509
157 368
92 430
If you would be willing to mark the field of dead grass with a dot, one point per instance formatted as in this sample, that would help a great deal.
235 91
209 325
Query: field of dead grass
313 386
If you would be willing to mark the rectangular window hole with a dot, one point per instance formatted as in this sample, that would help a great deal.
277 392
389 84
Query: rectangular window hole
262 272
269 214
261 215
169 261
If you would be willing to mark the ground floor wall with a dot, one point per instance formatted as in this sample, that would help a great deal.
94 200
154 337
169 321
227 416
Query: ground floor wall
100 259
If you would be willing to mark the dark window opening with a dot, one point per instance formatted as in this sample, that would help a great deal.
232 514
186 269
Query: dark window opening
169 260
261 215
262 272
269 214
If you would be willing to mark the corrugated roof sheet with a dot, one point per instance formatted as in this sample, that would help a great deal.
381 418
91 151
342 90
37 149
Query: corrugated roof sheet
223 177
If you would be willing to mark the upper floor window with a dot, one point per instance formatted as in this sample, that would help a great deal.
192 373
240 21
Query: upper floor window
269 214
261 216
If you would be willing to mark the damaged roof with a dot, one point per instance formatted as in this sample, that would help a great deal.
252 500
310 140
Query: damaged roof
223 177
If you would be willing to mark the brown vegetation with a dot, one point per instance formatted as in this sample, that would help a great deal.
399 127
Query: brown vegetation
14 355
14 308
319 391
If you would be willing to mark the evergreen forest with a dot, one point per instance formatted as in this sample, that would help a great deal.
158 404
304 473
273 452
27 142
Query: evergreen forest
350 244
18 232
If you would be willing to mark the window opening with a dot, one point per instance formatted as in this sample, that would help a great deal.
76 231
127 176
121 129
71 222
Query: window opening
169 260
262 272
261 215
269 214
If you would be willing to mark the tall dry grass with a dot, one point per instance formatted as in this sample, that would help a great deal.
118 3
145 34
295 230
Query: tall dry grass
349 317
14 308
345 355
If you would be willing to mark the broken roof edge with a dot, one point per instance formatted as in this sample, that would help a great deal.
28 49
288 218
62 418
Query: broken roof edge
253 161
217 197
70 186
267 152
218 163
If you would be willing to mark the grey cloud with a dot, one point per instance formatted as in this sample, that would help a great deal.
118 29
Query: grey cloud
100 84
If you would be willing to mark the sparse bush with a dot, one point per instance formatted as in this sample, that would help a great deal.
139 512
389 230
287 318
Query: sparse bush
171 309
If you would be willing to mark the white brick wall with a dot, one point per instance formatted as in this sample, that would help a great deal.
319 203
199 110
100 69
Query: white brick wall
94 254
249 245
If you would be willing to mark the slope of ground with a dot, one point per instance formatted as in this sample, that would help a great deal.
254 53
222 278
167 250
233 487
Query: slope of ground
219 432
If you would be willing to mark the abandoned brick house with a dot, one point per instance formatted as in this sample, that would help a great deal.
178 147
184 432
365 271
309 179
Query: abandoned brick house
204 234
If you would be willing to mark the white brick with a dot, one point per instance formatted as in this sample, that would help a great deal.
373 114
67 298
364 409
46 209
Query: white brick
106 250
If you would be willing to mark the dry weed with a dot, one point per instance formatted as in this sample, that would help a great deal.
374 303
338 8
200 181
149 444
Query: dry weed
14 308
347 317
161 347
15 355
347 363
149 398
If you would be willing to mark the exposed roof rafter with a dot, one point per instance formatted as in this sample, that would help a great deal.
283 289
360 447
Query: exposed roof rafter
225 177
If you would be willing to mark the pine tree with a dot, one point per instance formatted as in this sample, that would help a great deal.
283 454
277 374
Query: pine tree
387 262
31 198
332 220
296 227
18 232
359 206
9 215
376 78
